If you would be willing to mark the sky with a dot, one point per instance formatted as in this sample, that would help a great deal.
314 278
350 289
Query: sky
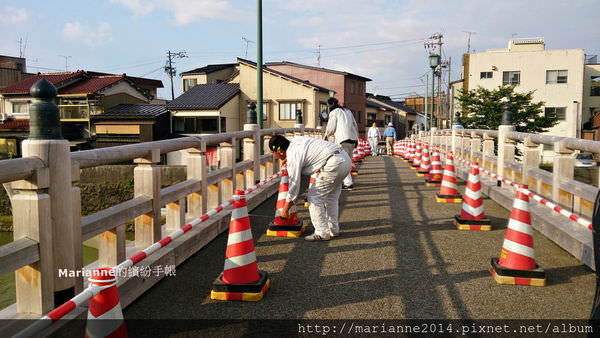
383 40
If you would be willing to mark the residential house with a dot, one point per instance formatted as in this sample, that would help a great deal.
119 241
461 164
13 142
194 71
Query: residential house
401 116
350 89
12 70
204 109
131 123
283 96
556 78
81 94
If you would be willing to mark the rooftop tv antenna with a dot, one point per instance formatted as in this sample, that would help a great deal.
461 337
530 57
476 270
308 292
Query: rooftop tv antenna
469 40
247 42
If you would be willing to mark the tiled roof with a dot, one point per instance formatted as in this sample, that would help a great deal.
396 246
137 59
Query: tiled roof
22 87
140 81
395 104
287 63
17 124
90 86
376 105
133 111
87 81
205 96
210 69
286 75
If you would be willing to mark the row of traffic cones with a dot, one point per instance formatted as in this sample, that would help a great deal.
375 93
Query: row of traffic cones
516 264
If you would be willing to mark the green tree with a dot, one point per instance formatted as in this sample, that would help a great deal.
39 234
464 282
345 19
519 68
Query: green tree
482 109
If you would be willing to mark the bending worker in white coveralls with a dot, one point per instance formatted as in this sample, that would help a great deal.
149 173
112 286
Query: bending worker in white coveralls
342 126
305 156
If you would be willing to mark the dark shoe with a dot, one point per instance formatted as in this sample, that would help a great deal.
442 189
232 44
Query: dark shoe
315 237
348 187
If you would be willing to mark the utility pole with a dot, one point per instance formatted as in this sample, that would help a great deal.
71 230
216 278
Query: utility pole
469 40
448 114
170 69
67 57
247 42
430 45
319 57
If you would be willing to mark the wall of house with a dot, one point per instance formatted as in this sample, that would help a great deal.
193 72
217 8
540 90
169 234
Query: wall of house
533 66
231 111
276 90
214 77
591 104
110 101
124 88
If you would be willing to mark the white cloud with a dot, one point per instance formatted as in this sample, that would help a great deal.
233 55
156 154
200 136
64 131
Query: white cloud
93 37
138 7
184 11
13 15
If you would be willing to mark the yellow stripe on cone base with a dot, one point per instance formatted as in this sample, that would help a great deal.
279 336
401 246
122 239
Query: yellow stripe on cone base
535 277
290 234
464 226
448 200
244 296
251 292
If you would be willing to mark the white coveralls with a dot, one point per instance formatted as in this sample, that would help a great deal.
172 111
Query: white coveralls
342 126
305 156
374 135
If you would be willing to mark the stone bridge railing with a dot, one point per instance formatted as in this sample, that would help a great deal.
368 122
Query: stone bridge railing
49 228
495 151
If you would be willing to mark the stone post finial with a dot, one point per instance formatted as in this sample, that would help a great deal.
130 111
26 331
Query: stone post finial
44 116
251 114
507 115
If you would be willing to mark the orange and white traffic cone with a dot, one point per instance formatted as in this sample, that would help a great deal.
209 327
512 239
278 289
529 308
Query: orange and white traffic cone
416 161
411 152
516 264
105 318
449 190
367 149
285 227
472 216
425 162
240 279
434 179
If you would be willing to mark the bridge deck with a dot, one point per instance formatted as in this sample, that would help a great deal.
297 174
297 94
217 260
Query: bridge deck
398 256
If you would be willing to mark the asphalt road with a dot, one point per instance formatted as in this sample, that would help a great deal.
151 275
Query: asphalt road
398 257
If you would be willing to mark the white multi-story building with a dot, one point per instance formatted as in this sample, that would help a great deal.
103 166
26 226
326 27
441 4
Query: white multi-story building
555 76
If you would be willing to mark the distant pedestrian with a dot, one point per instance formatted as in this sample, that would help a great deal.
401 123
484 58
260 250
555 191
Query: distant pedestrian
389 134
374 135
342 126
307 156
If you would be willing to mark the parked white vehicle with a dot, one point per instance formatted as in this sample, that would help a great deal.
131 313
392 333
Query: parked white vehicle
584 160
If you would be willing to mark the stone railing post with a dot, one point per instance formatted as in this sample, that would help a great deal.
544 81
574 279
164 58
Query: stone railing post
563 167
506 147
531 159
488 150
466 146
43 210
270 167
197 170
227 156
252 152
475 147
454 141
432 139
146 178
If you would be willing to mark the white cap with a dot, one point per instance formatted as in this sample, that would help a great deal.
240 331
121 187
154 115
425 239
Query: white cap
390 124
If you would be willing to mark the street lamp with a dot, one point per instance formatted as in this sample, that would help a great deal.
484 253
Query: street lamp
434 61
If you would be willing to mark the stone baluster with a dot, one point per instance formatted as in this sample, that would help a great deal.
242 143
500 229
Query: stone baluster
146 177
475 147
531 160
563 167
506 147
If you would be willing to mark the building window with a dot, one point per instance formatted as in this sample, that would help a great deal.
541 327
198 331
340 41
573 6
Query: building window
287 111
322 106
556 76
352 90
371 118
223 125
265 111
20 107
206 125
486 75
189 83
595 88
511 78
388 119
360 88
559 112
359 116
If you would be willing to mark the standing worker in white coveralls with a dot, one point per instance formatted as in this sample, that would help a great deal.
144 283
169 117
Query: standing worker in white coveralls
374 135
305 156
342 126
